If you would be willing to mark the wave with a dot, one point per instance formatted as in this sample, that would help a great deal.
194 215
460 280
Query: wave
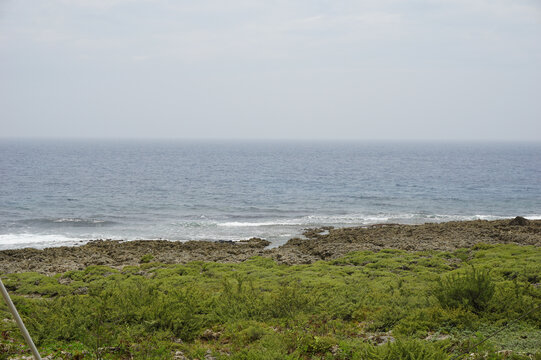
369 219
79 221
67 222
10 241
533 217
442 218
257 224
277 230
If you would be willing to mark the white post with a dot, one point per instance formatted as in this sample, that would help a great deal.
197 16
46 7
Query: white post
19 321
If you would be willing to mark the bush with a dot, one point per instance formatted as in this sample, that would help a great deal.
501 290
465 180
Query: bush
310 345
239 300
472 290
146 258
411 350
288 301
99 317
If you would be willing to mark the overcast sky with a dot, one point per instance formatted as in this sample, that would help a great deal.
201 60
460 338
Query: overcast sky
284 69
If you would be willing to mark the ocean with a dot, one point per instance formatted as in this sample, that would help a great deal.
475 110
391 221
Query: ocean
60 192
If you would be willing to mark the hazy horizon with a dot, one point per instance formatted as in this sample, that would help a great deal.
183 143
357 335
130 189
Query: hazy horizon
231 140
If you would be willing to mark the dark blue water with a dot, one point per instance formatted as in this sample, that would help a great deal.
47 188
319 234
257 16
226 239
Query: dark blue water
62 192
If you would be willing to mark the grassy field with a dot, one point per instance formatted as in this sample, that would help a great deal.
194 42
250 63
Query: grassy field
391 304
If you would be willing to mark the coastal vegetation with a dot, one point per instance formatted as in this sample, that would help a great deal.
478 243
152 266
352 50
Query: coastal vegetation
386 304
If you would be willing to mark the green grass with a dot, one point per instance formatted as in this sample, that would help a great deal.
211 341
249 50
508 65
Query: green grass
390 304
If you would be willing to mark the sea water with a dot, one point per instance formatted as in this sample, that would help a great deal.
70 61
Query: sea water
60 192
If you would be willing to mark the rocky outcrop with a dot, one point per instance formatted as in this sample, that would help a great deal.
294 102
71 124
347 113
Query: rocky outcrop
316 244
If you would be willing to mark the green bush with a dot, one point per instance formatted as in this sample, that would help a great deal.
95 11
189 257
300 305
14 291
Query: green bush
251 334
99 317
289 300
146 258
412 350
239 299
473 289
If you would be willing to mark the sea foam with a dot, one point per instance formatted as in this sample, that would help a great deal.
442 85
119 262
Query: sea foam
10 241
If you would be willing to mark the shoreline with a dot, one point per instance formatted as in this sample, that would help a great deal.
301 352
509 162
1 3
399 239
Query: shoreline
324 243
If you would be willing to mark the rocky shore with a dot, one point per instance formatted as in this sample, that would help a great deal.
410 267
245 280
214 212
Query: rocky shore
316 244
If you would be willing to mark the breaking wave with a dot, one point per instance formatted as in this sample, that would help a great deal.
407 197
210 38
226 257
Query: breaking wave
67 222
39 241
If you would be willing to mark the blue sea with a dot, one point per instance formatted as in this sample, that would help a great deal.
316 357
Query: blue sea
60 192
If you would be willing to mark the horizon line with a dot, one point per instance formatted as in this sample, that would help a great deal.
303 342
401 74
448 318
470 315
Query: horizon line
256 139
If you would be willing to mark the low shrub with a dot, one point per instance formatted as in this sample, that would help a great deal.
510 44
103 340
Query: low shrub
146 258
474 289
412 350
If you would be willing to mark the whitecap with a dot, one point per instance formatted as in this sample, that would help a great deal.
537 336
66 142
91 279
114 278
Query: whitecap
257 224
14 241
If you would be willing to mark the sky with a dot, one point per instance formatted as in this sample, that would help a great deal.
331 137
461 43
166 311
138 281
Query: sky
275 69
